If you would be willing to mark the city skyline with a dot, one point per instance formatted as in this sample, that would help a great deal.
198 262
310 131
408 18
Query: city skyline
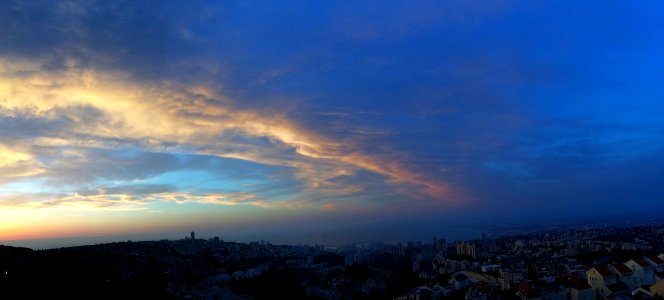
352 119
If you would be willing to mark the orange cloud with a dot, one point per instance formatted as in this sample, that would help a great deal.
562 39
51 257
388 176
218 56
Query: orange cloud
15 163
170 117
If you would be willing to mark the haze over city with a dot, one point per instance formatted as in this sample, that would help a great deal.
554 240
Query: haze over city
325 122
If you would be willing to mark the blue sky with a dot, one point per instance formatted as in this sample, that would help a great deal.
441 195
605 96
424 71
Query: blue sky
273 116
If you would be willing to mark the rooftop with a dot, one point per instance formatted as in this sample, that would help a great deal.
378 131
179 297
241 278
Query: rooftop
656 260
604 271
622 268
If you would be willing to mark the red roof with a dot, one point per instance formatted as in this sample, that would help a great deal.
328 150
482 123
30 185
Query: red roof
604 270
642 262
622 268
656 260
526 289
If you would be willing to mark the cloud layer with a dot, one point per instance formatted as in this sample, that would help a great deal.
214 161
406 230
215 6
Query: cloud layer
404 110
79 127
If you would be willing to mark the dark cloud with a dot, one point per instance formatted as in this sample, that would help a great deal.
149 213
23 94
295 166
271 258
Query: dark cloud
151 39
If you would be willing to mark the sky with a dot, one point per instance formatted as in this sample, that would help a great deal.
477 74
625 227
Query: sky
325 121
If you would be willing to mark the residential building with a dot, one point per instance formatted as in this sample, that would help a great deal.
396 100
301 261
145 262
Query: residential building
656 262
511 277
600 278
643 271
580 290
625 274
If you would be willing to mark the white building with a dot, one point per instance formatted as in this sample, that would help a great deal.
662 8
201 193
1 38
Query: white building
643 271
490 268
656 262
625 275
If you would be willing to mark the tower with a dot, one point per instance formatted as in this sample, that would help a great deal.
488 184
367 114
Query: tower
193 235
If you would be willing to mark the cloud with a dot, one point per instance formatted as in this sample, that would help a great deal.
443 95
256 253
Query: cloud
139 198
94 114
76 165
15 164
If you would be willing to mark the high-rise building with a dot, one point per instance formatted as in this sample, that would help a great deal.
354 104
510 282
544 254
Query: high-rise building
467 248
193 235
439 244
